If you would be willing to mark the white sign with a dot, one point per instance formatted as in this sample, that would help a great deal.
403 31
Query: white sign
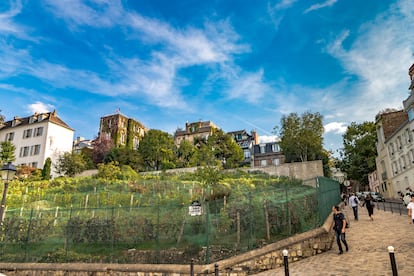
346 183
195 209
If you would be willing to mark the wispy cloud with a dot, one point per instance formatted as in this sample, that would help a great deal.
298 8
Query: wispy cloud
276 11
7 25
249 86
379 55
327 3
100 13
155 76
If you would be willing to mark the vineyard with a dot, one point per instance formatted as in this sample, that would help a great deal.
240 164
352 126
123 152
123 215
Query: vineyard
205 216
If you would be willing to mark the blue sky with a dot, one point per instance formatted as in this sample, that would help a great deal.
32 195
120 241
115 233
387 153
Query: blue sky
241 64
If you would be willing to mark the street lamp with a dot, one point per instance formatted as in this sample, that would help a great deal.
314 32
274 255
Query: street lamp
7 173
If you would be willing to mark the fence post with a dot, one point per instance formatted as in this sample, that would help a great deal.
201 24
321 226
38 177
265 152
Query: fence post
392 259
286 262
216 270
192 267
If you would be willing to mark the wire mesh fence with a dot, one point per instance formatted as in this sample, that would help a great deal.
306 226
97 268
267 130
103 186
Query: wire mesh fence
161 230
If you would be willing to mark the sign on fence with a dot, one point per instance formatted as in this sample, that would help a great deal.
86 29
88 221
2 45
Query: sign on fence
195 209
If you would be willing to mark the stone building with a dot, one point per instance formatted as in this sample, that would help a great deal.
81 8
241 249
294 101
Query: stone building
123 131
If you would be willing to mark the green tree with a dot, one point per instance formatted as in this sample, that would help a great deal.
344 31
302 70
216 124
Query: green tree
7 150
226 150
70 163
125 156
184 154
109 171
359 152
47 168
157 150
301 136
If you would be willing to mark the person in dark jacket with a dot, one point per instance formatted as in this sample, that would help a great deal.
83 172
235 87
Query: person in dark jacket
339 228
369 204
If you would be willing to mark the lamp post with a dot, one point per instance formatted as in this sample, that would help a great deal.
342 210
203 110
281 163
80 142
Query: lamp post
7 173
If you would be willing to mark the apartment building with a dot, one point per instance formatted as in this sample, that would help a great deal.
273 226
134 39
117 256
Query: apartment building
395 147
38 137
194 130
267 154
246 142
123 131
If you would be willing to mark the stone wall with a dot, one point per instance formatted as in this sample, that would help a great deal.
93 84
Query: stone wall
298 170
268 257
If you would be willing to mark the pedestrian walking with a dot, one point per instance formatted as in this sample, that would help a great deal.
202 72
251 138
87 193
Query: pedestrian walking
410 208
354 203
339 228
369 204
344 198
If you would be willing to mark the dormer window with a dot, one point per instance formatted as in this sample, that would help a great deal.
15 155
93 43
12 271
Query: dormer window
15 122
33 119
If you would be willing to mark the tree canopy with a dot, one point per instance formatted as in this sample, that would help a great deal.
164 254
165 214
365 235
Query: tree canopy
157 150
301 136
359 152
7 150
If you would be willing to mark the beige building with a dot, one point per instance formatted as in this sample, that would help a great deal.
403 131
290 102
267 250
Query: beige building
395 147
123 131
194 130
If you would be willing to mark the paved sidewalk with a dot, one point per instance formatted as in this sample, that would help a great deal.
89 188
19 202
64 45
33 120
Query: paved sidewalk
368 254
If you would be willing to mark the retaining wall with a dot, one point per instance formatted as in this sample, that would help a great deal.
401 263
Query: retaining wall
268 257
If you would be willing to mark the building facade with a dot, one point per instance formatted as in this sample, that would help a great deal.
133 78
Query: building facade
267 154
38 137
395 147
123 131
194 130
246 142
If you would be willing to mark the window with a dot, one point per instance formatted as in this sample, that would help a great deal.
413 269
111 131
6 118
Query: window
24 151
276 162
34 164
35 150
262 148
122 138
410 114
38 131
247 154
263 163
27 133
10 136
275 148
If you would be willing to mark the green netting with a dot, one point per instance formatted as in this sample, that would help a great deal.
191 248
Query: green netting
156 229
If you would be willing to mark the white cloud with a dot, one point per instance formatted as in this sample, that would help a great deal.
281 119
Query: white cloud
268 138
336 127
327 3
156 77
75 12
40 107
248 86
6 23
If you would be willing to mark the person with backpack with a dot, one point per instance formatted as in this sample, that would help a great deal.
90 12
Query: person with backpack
354 203
339 228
